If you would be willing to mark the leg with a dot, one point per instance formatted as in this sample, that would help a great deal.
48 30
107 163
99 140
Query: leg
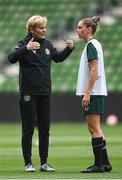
43 118
27 108
93 113
96 132
97 143
106 163
94 125
97 137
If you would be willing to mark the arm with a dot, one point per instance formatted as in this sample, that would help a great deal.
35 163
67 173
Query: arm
17 53
93 76
61 56
92 56
19 50
22 48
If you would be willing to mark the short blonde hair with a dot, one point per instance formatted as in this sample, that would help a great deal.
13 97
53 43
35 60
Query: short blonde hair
36 21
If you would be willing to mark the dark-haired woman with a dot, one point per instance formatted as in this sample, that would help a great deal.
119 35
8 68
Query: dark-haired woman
91 86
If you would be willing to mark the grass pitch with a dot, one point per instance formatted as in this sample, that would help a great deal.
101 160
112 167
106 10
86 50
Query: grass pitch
69 152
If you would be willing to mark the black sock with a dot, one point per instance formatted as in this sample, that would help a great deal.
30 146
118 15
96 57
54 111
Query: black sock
104 154
97 144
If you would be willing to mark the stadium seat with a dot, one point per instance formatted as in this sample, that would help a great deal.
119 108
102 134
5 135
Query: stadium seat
63 17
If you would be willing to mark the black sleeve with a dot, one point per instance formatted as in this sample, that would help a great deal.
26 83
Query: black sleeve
20 50
91 52
62 55
17 54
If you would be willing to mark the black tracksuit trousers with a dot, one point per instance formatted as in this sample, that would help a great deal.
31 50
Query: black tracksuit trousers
35 108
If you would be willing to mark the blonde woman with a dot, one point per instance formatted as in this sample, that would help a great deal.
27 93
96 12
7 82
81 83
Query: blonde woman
35 55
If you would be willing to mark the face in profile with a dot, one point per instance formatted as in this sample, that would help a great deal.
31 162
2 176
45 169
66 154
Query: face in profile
39 32
82 30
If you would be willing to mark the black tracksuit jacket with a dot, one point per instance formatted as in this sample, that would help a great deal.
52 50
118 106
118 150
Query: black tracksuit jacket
35 68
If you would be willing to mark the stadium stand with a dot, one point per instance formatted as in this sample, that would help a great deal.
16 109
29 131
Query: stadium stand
63 16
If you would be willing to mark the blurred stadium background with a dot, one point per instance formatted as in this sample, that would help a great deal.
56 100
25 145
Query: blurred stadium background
70 148
63 16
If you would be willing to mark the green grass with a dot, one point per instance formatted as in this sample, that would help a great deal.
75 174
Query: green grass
69 152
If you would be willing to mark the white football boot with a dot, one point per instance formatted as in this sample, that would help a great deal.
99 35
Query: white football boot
29 168
47 168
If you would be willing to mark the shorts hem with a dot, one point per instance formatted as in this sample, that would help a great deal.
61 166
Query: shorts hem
88 113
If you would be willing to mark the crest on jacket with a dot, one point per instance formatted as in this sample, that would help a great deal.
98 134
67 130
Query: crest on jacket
47 51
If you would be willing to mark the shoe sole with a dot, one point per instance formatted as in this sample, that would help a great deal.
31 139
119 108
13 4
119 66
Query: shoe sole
30 171
46 170
92 171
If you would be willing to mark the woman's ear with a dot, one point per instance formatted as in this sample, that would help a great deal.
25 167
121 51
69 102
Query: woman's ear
31 30
89 29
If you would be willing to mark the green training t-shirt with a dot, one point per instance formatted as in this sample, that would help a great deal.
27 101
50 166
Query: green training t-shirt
91 52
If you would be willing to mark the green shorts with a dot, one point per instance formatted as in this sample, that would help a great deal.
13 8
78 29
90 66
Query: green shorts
96 105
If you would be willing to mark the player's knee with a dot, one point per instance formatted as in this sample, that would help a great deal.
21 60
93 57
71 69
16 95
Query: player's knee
93 130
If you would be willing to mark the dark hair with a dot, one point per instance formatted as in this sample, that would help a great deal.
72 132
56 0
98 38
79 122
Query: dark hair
91 22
